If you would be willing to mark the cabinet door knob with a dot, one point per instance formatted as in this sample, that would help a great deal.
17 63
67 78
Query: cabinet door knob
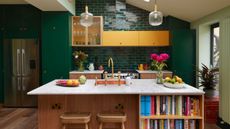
120 43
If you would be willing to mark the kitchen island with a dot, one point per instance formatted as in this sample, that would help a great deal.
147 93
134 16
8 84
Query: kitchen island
54 100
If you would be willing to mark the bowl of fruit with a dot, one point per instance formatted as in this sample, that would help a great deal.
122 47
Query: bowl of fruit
68 83
174 82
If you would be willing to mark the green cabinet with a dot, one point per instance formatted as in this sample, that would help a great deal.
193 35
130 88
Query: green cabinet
56 45
184 54
21 21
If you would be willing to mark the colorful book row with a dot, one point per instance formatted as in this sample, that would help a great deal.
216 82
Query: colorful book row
170 105
169 124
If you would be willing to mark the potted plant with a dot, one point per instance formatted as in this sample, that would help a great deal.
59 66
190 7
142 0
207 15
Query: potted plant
208 79
80 58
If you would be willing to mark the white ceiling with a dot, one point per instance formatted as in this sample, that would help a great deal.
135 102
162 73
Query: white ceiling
47 5
13 2
189 10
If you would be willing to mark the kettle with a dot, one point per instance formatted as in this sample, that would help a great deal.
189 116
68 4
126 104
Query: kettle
91 67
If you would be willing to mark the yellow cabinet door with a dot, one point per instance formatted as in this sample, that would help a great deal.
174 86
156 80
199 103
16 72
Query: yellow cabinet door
120 38
153 38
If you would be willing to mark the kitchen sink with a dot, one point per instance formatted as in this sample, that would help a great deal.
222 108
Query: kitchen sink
110 82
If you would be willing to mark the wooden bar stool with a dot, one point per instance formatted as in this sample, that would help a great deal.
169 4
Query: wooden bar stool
75 118
111 118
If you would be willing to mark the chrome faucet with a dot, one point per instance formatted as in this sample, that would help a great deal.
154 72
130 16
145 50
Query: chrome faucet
110 61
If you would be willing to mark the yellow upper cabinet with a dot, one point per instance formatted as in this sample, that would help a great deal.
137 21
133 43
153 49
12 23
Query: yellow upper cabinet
153 38
120 38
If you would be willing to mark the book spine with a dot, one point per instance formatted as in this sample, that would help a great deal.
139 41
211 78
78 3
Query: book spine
192 124
148 123
180 124
186 124
169 105
166 105
143 105
172 124
158 105
180 105
155 124
173 105
152 105
148 106
168 124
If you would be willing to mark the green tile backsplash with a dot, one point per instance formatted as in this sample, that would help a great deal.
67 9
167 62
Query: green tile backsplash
118 15
125 58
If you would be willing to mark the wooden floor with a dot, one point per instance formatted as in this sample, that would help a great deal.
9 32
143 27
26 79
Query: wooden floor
26 118
18 118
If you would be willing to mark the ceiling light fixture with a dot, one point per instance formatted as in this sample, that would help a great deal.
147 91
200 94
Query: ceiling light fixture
86 18
155 17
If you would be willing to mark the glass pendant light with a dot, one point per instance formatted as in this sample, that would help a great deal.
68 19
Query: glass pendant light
86 18
155 17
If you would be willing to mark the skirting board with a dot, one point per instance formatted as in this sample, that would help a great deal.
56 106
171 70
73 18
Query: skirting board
222 124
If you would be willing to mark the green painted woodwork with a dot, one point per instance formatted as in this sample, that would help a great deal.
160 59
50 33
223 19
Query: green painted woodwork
1 70
183 54
17 21
56 45
20 21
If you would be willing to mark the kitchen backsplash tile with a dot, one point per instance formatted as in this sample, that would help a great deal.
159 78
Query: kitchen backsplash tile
125 58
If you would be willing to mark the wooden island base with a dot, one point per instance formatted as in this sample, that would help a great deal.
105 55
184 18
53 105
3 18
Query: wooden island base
50 107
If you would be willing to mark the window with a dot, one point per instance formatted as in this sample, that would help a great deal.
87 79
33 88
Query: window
215 38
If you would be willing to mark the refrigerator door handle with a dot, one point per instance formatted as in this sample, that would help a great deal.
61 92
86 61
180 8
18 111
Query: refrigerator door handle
23 62
18 62
23 85
18 85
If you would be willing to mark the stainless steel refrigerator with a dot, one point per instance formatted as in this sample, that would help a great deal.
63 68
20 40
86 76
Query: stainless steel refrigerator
21 71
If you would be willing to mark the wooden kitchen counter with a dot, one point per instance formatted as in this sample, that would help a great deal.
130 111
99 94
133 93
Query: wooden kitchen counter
55 100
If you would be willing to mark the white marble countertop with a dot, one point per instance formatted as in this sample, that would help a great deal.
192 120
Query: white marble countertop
139 86
152 71
87 72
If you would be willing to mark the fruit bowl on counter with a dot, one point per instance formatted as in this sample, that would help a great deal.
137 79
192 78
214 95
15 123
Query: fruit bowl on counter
174 83
68 83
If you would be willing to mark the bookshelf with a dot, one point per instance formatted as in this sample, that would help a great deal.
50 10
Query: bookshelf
171 111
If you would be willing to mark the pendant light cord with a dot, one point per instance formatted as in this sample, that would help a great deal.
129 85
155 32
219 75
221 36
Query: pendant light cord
155 6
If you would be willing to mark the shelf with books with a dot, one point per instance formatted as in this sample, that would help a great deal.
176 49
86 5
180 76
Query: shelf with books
170 117
184 108
170 124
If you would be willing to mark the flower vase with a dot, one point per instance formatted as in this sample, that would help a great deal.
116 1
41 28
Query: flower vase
81 66
159 77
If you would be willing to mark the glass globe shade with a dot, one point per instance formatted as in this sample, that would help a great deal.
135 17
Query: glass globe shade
86 18
155 18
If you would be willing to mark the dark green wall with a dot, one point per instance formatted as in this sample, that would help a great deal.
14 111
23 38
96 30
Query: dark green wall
184 54
56 56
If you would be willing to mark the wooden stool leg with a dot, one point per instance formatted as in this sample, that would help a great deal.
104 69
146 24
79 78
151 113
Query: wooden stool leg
122 125
63 126
86 126
100 126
